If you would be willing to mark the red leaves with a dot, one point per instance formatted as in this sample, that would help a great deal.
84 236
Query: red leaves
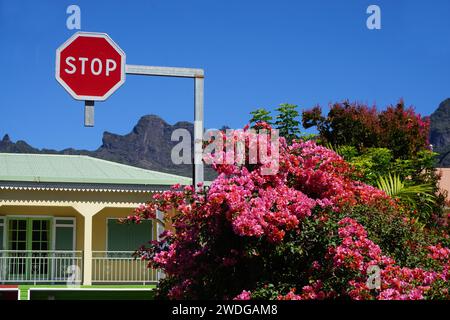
397 128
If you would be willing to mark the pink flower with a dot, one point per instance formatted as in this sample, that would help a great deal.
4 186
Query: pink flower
244 295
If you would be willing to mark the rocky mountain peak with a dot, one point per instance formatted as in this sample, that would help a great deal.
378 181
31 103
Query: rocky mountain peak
6 138
148 145
440 125
440 132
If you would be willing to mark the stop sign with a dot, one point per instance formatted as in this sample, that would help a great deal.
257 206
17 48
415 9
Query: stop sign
90 66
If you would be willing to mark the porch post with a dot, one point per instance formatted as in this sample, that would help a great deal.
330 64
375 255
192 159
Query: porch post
87 210
87 252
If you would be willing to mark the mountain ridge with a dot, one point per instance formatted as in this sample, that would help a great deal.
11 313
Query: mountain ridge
148 145
440 132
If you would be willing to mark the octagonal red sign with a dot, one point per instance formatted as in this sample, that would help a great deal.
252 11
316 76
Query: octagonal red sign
90 66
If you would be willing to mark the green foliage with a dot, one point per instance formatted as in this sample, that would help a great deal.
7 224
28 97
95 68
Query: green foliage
396 188
347 152
420 168
417 178
287 123
261 115
372 163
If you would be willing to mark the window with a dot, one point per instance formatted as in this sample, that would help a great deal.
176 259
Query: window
40 234
128 237
18 237
29 234
64 234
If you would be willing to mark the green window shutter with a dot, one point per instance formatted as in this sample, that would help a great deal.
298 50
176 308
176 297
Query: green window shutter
64 233
128 237
2 230
64 238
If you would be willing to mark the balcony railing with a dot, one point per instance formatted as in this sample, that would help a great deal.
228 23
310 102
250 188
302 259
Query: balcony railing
40 266
66 267
121 267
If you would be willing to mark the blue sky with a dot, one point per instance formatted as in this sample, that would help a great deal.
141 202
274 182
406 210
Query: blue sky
255 54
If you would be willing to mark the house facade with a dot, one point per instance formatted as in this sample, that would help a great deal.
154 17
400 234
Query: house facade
59 219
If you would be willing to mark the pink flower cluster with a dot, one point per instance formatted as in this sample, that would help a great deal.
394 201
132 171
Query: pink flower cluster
325 176
439 253
255 211
270 205
244 295
313 291
356 253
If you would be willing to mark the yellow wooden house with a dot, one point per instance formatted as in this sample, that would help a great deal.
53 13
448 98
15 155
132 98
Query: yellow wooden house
58 219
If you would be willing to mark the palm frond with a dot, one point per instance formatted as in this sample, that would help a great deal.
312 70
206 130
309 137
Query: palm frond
393 185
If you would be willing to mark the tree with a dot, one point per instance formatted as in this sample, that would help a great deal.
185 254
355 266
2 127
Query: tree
345 124
261 115
287 123
397 128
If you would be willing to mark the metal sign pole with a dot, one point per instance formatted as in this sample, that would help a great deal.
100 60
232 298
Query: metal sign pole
199 77
198 130
88 113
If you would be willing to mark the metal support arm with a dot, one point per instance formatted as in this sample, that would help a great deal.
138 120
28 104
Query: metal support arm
198 76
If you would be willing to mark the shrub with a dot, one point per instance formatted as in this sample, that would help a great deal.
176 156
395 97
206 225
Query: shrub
311 231
397 128
378 143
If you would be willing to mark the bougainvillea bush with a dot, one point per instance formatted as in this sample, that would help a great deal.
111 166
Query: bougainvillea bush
310 231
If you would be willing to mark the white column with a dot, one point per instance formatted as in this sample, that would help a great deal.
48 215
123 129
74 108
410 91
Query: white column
87 252
87 211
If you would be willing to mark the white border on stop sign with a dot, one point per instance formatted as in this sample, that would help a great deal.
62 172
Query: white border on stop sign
95 35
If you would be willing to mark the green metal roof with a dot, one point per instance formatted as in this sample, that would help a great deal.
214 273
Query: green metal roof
78 169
